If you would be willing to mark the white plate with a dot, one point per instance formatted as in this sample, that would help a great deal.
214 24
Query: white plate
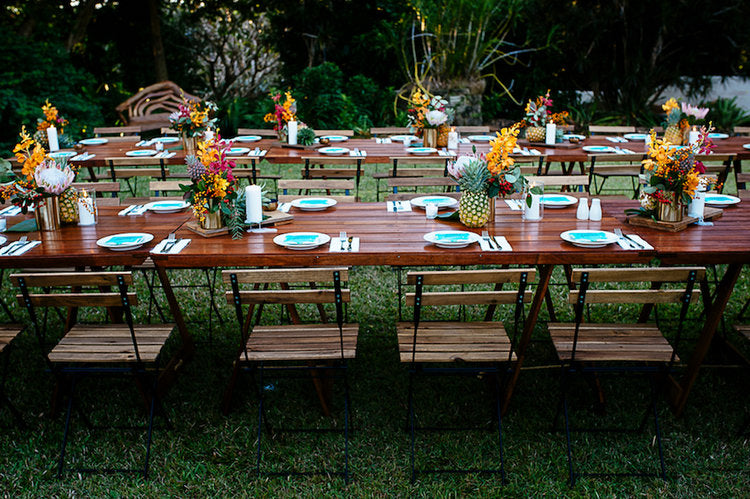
126 241
599 149
401 138
166 140
94 141
2 240
141 153
440 201
481 138
172 206
558 200
335 138
247 138
333 151
636 136
451 238
568 136
746 146
589 238
716 135
313 204
62 154
301 240
421 151
721 199
237 151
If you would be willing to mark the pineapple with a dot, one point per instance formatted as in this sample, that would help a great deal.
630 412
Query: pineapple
536 134
474 206
68 203
673 135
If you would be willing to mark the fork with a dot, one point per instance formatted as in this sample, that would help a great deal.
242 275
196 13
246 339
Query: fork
171 241
343 240
14 246
621 237
486 237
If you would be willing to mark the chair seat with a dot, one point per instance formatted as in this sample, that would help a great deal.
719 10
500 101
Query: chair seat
618 172
301 342
454 341
743 329
7 333
107 343
611 342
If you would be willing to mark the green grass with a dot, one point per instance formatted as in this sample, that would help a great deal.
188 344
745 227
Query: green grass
208 454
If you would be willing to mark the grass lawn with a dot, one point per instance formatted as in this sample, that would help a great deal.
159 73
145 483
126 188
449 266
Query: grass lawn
208 454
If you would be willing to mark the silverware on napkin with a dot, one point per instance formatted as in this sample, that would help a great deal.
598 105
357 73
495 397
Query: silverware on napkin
12 247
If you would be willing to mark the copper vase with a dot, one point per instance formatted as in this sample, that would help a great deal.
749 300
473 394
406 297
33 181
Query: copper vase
212 221
672 211
429 137
47 214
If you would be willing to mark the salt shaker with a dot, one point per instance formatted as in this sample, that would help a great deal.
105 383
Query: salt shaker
595 212
583 209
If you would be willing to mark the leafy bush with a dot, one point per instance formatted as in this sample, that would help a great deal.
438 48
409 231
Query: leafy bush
725 114
32 71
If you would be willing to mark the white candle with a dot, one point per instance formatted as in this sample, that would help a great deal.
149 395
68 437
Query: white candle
253 204
86 209
208 135
697 204
550 135
694 136
452 140
292 135
52 139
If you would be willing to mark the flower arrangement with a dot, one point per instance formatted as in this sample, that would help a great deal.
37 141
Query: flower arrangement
283 112
193 118
680 117
672 174
539 113
427 111
42 176
51 118
214 188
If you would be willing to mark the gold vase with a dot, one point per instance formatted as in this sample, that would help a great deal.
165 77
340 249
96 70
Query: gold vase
442 135
491 219
47 214
188 143
212 221
672 211
429 137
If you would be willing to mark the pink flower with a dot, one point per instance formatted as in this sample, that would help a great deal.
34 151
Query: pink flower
456 168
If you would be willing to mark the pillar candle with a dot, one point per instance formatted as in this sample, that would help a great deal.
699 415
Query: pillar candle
698 203
550 135
694 136
86 209
208 135
292 135
253 204
52 139
453 140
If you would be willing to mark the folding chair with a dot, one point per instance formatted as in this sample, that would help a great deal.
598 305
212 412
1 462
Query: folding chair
606 166
411 167
133 168
117 131
323 349
90 350
8 333
307 187
621 349
343 168
461 348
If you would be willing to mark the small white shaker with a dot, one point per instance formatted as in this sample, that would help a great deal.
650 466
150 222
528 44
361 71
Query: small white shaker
583 209
595 212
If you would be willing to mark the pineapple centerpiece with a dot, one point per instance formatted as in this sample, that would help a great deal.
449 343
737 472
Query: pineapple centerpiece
680 118
482 178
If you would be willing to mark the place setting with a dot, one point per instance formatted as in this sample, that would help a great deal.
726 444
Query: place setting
19 247
344 243
301 240
172 245
398 206
125 241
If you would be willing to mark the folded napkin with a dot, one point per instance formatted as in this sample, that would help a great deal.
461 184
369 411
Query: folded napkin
134 211
624 244
10 211
397 206
143 143
386 141
503 243
20 250
465 141
336 245
358 153
257 152
28 225
446 153
178 246
617 139
620 150
284 207
534 152
513 204
82 157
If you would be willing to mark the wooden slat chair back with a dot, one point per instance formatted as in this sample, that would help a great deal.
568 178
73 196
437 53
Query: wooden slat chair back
150 107
610 129
389 130
621 348
263 132
530 165
168 131
444 186
606 166
293 189
8 333
460 348
565 181
468 129
125 349
323 348
112 189
128 169
410 166
719 165
117 131
345 133
741 130
742 179
246 167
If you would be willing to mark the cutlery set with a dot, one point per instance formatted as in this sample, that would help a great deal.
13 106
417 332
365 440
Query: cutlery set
628 240
345 242
491 241
16 247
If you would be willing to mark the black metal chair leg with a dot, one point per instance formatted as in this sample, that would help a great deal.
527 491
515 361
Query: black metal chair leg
66 430
500 431
260 421
571 473
346 429
150 431
411 426
658 431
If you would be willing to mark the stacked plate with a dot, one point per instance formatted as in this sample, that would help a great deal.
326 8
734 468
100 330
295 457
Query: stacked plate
313 204
421 151
126 241
94 141
721 200
141 153
452 238
439 201
167 206
247 138
165 140
481 138
636 136
62 154
589 238
599 149
558 200
333 151
301 240
401 138
238 151
335 138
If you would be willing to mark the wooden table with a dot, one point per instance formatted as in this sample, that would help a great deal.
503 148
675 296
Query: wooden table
396 239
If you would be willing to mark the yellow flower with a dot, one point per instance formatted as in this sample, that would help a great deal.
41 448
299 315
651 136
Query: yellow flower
670 104
498 159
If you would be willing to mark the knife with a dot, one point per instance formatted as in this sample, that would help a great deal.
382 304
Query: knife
13 246
20 249
637 244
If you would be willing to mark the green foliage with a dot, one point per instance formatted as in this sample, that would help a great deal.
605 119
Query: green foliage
306 136
725 114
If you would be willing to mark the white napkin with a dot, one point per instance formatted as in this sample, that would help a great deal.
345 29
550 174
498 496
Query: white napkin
465 141
284 207
336 245
10 211
504 244
620 150
23 249
143 143
82 157
386 141
534 152
617 139
446 153
257 152
397 206
169 154
174 249
357 153
624 244
513 204
135 211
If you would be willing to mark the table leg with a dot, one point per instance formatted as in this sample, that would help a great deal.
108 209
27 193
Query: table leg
545 272
680 392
